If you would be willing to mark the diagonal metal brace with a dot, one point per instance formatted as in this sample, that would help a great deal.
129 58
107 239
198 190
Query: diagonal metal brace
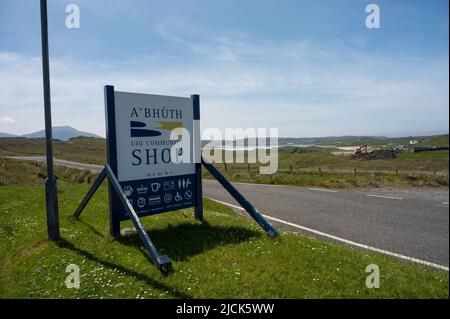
163 263
98 181
251 210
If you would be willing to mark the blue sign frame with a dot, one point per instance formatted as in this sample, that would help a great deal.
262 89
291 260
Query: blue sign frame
150 196
122 206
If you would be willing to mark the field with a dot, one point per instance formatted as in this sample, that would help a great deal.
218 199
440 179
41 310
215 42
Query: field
227 256
314 166
310 166
84 150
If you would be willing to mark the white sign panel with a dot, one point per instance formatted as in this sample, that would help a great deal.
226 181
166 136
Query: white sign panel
143 124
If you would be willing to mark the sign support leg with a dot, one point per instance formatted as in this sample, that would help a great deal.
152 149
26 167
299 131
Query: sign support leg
163 263
114 204
198 207
251 210
98 181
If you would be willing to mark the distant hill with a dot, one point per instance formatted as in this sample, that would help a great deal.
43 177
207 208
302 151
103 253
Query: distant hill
63 133
7 135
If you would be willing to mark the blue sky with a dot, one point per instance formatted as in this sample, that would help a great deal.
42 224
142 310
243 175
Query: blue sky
309 68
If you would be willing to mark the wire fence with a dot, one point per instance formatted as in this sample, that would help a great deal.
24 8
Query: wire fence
291 169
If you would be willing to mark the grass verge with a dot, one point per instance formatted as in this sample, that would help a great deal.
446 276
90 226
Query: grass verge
333 180
227 256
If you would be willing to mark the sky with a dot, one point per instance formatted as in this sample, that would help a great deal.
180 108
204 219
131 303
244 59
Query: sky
308 68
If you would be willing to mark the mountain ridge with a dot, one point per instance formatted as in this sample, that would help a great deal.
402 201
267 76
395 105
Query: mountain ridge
63 133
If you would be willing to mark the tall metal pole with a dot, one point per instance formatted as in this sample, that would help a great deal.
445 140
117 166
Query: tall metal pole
51 192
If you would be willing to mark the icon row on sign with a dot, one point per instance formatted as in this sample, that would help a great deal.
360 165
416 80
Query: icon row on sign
183 183
156 199
152 200
169 197
142 190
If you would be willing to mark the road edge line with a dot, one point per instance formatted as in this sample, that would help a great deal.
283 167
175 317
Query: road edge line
346 241
323 190
384 196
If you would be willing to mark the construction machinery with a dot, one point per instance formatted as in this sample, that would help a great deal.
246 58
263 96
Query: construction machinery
362 149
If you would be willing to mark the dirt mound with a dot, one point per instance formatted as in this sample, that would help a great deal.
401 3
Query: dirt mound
375 155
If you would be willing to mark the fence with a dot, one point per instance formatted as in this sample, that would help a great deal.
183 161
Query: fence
291 169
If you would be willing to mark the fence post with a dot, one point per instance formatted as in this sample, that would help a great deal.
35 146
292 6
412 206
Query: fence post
291 168
396 172
320 170
248 166
355 171
225 163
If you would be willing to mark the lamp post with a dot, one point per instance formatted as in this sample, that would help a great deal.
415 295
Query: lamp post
51 199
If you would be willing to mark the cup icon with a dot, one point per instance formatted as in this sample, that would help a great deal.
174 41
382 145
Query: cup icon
155 186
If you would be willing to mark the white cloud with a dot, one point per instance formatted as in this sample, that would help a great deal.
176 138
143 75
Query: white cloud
301 88
7 120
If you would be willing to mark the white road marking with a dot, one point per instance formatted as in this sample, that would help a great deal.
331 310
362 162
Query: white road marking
444 203
228 204
383 196
346 241
323 190
251 184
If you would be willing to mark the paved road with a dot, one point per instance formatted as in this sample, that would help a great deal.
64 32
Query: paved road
410 222
82 166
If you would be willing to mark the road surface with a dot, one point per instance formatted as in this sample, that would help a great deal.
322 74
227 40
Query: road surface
413 223
58 162
410 222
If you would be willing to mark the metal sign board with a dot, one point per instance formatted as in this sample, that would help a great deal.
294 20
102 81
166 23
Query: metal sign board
149 171
156 171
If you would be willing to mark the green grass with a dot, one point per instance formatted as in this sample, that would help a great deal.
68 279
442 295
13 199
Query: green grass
438 140
321 168
227 256
334 180
314 157
14 172
81 149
